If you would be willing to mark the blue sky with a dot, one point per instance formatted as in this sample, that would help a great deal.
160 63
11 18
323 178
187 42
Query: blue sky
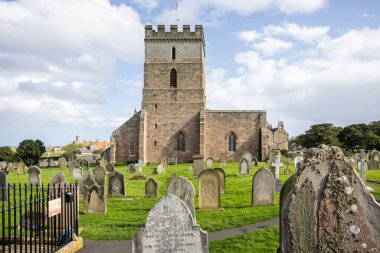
71 67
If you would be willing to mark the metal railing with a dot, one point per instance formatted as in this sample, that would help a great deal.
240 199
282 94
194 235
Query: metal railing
36 218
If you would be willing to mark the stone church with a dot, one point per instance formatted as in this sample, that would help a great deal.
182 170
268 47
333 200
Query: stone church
174 120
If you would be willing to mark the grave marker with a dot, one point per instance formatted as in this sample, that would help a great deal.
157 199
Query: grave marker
34 175
209 189
151 188
243 167
263 188
183 189
116 184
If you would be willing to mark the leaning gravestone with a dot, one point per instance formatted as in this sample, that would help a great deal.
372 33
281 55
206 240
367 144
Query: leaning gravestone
248 156
131 168
110 168
222 177
325 207
262 188
209 162
78 173
94 199
34 175
183 189
209 189
116 184
3 185
57 178
170 228
99 176
198 163
151 188
243 167
62 163
21 168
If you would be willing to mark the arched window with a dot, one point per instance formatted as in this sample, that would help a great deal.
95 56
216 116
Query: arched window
173 78
232 142
173 53
132 149
181 142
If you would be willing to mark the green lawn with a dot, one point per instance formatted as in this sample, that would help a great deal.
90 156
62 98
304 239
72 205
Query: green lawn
373 176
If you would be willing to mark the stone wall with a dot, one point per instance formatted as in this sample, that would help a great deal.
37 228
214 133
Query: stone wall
246 126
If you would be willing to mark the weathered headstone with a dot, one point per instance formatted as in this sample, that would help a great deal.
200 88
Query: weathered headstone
222 177
374 160
160 168
94 199
254 161
21 168
209 189
297 160
100 176
248 156
151 188
140 165
183 189
243 167
77 173
83 164
198 163
34 175
116 183
325 207
170 228
3 185
131 168
262 188
10 167
110 168
277 164
62 163
164 162
209 162
57 178
224 159
102 162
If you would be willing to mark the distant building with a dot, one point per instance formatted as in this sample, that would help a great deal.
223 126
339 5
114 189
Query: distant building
277 138
91 146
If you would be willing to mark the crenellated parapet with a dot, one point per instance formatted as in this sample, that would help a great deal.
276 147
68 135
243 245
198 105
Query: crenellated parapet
173 34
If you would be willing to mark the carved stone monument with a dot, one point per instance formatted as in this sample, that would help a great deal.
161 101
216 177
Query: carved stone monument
34 175
170 228
209 162
151 188
209 189
222 177
131 168
21 168
248 156
243 167
183 189
94 199
164 162
62 163
262 188
110 168
116 183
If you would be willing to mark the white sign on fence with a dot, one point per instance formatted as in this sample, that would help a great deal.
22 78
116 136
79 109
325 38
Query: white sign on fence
54 207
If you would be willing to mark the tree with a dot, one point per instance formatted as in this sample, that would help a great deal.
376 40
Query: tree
358 136
30 151
325 133
7 154
71 151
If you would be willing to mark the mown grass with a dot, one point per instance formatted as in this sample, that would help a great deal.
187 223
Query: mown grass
373 176
263 240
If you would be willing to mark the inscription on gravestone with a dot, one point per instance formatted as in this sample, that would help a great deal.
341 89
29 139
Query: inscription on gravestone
222 177
209 189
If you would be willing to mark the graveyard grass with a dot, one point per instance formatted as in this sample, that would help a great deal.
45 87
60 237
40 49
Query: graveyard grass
126 215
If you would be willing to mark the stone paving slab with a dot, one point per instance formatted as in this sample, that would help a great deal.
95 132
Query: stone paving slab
107 246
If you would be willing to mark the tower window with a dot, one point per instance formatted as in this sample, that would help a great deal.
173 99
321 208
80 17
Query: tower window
155 143
155 125
132 149
155 106
173 53
181 142
173 78
232 142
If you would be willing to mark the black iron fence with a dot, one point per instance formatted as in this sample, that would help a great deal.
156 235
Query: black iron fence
38 218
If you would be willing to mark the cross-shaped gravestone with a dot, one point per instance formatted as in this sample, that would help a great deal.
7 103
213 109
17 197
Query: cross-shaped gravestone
277 164
362 165
140 167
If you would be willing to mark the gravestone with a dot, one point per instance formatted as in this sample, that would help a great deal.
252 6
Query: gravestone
77 173
209 162
198 163
224 159
160 168
116 184
272 158
10 167
287 171
183 189
151 188
72 165
102 162
326 208
3 185
164 162
21 168
131 168
254 161
57 178
209 189
277 165
263 188
170 228
110 168
83 164
140 165
34 175
94 199
62 163
297 160
248 156
374 160
100 176
222 177
243 167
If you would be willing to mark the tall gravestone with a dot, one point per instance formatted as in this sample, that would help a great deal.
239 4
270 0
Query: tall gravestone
151 188
170 228
21 168
248 156
3 186
58 178
263 188
209 189
116 184
209 162
110 168
94 199
62 163
34 175
325 207
183 189
222 177
100 176
164 162
198 163
243 167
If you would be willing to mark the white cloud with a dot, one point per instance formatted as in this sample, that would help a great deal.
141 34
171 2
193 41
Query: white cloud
297 6
149 5
269 46
338 83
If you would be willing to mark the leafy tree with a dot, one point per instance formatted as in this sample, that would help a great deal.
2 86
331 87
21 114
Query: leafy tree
375 127
358 136
7 154
325 133
71 151
30 151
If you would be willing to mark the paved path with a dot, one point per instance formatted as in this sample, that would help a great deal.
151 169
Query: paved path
126 246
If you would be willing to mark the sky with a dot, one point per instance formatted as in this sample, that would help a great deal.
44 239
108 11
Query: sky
70 67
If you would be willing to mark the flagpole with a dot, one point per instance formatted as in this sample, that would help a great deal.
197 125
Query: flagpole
176 9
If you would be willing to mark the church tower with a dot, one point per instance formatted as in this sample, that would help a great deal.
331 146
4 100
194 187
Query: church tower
173 93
